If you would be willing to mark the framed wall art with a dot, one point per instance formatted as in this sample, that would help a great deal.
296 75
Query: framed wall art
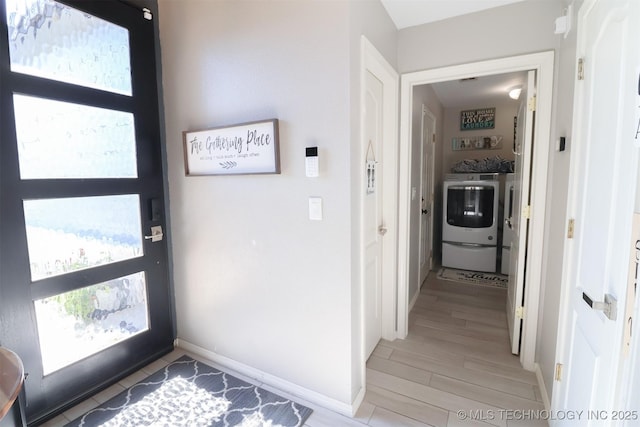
483 118
246 148
492 142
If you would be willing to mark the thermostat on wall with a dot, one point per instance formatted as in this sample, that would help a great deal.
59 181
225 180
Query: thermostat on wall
311 162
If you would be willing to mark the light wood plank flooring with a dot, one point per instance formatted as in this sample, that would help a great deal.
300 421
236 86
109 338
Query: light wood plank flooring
456 358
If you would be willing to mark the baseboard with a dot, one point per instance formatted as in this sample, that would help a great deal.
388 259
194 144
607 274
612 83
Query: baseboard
413 301
357 402
274 381
543 389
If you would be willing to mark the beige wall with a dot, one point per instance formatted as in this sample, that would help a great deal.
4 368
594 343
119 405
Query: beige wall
518 28
256 281
557 195
505 112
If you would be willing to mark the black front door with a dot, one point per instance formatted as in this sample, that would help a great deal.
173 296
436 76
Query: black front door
84 283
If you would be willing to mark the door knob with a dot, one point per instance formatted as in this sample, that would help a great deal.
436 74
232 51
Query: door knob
425 211
382 230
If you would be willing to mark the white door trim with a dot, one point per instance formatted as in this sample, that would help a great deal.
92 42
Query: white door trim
372 61
543 64
427 113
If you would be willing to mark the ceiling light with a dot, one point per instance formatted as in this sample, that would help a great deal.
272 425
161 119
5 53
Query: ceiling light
514 93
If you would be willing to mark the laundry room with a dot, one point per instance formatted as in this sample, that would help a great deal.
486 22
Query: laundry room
465 144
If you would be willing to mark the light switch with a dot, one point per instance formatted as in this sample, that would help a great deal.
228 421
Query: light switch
315 208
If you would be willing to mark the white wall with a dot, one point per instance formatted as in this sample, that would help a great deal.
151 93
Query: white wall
255 280
516 29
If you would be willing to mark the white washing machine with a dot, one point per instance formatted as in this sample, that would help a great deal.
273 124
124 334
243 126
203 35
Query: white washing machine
470 221
507 230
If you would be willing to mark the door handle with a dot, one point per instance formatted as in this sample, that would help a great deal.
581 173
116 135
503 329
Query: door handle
382 230
507 222
156 234
425 211
609 307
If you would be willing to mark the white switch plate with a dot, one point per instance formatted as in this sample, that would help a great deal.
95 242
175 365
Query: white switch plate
315 208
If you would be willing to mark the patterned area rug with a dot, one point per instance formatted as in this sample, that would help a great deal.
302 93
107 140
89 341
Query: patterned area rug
191 394
474 277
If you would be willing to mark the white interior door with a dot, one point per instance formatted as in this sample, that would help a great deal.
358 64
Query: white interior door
426 193
603 180
373 227
519 222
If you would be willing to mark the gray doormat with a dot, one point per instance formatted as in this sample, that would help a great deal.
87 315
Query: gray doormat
474 277
191 394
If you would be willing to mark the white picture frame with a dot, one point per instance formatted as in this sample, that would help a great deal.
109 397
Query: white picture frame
240 149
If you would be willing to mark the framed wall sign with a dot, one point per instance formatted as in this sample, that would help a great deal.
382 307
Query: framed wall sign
246 148
483 118
492 142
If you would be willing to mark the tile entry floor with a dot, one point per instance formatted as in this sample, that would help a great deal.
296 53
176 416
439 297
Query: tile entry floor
455 358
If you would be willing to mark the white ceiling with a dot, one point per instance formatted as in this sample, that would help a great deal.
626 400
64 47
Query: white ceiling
408 13
485 89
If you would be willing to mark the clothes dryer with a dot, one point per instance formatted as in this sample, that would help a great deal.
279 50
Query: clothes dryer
470 221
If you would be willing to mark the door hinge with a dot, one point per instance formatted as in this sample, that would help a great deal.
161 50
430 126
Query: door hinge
520 312
532 103
526 212
558 375
146 14
570 228
580 68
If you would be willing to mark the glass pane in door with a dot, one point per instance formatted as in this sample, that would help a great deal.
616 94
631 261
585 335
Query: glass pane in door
79 323
51 40
71 234
61 140
470 206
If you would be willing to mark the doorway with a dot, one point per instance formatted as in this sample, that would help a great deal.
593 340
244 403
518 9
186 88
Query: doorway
542 63
83 254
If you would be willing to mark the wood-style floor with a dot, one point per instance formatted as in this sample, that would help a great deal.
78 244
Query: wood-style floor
454 369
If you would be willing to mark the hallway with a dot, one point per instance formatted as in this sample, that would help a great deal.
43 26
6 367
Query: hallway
455 358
